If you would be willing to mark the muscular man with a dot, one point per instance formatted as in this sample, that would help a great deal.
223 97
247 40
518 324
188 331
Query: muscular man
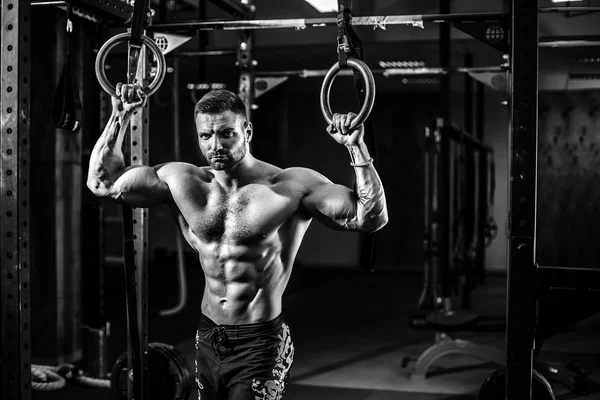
246 219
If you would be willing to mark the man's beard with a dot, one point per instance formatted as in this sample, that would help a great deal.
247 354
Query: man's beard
229 159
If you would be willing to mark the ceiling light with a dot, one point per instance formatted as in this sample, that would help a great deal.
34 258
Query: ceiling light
565 1
324 5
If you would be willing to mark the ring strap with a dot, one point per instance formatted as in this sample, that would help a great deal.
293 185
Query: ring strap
349 45
66 105
139 21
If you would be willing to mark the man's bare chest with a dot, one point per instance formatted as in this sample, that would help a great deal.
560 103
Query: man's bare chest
244 215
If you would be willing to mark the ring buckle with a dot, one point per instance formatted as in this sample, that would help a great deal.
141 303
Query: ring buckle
369 80
114 41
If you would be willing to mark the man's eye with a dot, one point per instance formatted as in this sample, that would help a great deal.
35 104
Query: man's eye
204 137
229 133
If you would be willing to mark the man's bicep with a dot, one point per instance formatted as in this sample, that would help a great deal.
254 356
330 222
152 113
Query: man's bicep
141 186
333 205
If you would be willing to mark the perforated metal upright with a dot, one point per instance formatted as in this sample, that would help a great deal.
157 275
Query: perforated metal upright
246 62
139 155
521 305
15 349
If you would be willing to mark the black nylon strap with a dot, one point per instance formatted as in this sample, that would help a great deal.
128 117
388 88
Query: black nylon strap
139 21
346 47
66 105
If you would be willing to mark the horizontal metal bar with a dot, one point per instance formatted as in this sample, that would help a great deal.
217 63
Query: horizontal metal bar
559 269
480 69
568 9
376 21
458 17
569 278
62 5
570 43
584 76
48 3
111 9
206 53
302 23
316 73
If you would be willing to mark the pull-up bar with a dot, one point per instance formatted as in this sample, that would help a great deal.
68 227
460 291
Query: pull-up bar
314 73
375 21
302 23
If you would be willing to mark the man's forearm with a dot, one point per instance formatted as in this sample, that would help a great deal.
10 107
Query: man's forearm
107 158
371 208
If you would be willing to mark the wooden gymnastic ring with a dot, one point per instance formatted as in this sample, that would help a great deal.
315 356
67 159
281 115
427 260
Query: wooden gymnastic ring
123 37
367 106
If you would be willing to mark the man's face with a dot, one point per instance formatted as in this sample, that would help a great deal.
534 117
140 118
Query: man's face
222 138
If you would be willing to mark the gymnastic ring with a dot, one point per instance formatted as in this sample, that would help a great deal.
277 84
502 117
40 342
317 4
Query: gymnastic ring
123 37
367 106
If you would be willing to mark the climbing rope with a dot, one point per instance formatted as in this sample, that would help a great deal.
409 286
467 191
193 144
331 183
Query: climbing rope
47 378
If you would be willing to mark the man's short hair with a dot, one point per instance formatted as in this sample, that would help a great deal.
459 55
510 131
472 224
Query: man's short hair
218 101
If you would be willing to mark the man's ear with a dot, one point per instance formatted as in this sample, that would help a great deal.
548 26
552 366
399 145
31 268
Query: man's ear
248 130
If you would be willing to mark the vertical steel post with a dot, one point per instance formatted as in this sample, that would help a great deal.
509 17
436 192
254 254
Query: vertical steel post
246 63
436 216
15 349
479 125
139 155
246 82
203 40
446 196
445 38
470 208
468 107
521 305
444 123
427 216
482 182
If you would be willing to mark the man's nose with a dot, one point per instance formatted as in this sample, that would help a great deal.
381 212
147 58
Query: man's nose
216 142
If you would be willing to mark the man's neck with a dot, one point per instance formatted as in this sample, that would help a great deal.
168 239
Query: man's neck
238 174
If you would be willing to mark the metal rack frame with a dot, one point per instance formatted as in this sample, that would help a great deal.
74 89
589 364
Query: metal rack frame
522 165
15 349
111 9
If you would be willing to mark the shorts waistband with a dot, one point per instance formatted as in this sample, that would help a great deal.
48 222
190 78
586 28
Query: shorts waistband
223 338
240 330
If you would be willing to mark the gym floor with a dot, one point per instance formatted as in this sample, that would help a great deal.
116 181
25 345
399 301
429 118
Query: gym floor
351 334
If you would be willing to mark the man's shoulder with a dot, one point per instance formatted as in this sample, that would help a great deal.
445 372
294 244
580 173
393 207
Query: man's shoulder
176 170
301 175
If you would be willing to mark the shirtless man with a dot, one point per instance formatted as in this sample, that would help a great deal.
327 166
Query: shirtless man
246 219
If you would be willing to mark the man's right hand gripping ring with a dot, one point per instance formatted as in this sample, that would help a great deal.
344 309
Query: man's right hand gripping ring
369 81
123 37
